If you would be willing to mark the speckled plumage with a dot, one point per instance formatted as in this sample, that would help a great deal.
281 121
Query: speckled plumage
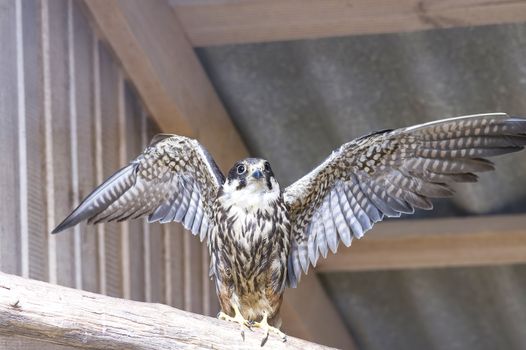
262 238
249 250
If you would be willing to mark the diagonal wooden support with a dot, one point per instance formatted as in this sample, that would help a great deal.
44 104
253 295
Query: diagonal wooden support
156 55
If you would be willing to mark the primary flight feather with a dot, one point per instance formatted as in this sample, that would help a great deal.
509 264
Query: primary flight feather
261 238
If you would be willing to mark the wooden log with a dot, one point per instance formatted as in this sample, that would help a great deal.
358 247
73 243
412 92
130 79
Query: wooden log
65 316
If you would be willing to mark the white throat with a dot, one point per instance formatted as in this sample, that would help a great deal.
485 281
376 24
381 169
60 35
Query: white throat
255 195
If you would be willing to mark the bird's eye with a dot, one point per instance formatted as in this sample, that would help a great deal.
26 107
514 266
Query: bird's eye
241 169
267 166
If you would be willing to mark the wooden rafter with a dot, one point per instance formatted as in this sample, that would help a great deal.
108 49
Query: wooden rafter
241 21
435 243
154 51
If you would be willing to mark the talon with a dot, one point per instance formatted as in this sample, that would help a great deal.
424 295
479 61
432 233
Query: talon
249 324
268 328
264 340
222 316
238 318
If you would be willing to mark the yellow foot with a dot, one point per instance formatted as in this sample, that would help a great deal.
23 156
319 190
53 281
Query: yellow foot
238 318
267 329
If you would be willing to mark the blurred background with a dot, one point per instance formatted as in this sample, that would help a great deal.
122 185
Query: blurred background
85 84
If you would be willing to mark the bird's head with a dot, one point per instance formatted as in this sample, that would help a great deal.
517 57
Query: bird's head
251 176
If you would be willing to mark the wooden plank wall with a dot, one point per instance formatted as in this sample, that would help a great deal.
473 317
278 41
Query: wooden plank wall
69 119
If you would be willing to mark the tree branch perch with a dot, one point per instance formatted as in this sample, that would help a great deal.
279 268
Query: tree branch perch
66 316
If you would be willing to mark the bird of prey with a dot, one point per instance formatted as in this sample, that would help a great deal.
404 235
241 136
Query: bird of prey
260 237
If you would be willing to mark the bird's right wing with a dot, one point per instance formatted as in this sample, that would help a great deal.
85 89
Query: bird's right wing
174 179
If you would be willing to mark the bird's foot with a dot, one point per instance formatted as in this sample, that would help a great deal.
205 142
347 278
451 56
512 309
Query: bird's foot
268 328
238 318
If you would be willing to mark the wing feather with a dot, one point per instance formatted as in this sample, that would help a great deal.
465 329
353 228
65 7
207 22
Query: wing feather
388 173
303 257
190 212
198 219
321 239
312 246
203 230
328 223
174 179
339 219
349 215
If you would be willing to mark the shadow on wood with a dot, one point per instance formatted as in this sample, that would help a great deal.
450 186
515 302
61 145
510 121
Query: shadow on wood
77 318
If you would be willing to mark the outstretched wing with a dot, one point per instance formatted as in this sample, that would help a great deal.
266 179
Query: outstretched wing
174 179
389 173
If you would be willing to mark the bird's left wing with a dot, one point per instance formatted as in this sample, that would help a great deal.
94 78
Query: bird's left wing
388 173
174 179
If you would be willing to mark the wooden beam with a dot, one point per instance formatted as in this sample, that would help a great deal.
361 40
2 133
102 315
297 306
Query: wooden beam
65 316
401 244
308 313
240 21
148 40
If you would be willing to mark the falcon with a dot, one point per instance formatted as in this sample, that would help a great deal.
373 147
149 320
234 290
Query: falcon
260 237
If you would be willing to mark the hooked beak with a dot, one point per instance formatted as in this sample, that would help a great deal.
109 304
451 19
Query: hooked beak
257 174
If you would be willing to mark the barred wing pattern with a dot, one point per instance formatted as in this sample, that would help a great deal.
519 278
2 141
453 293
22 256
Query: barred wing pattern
174 179
388 173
